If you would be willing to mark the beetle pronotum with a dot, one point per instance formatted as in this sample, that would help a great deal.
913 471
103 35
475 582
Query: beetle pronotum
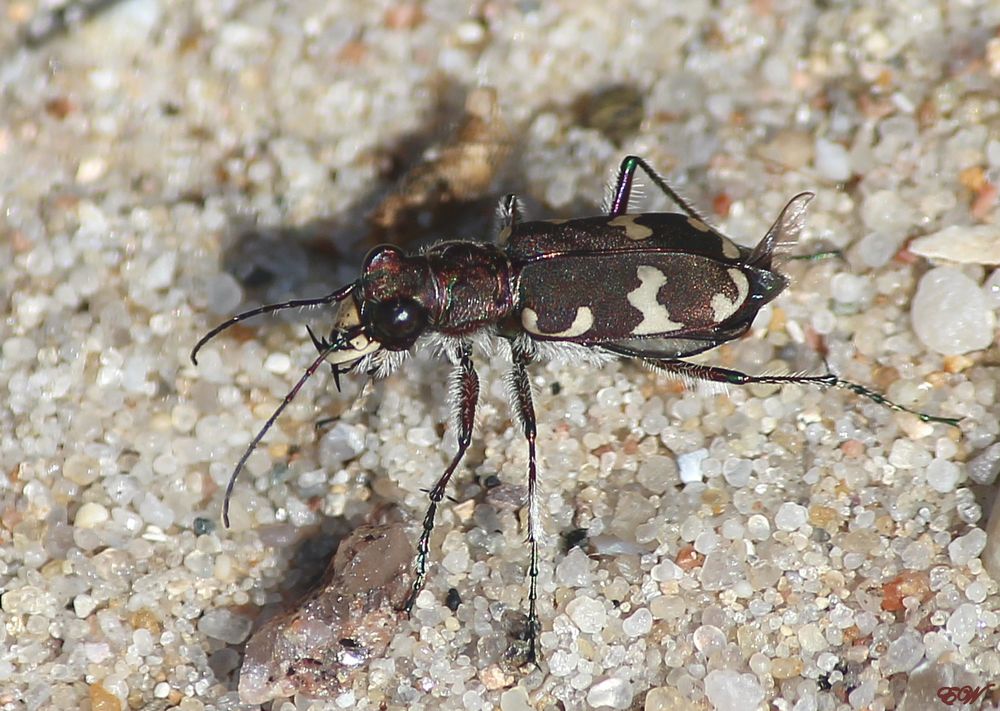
656 287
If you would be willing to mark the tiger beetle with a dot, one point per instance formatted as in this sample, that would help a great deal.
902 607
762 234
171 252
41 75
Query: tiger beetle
655 287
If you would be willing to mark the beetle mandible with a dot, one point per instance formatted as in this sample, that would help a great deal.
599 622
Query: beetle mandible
655 287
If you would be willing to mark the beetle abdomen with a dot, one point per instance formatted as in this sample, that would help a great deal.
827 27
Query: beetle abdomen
598 297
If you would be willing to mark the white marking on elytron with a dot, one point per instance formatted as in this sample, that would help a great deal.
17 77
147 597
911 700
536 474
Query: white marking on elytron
655 318
582 322
699 225
729 248
722 306
633 230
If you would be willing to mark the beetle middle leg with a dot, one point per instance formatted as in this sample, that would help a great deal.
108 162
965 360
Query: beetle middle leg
524 410
623 189
465 391
734 377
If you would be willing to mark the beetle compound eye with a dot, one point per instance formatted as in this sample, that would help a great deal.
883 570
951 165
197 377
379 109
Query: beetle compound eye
396 324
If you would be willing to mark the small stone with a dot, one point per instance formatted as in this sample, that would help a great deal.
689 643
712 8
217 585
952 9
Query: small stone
81 469
160 274
223 294
950 313
639 623
612 692
832 161
962 623
657 473
721 571
575 570
904 653
811 638
515 699
224 625
965 548
737 472
689 465
964 244
863 695
143 642
90 515
493 678
976 592
277 363
83 605
847 288
918 554
161 690
155 512
759 527
666 570
665 698
340 444
103 700
885 211
587 614
786 667
709 639
728 690
913 584
824 517
791 516
985 466
942 475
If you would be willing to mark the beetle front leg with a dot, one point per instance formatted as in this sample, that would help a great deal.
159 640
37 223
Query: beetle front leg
524 410
734 377
623 188
465 391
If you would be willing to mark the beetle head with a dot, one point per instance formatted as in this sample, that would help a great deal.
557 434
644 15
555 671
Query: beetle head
392 294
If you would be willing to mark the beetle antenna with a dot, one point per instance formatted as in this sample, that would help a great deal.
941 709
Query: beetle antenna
266 309
330 348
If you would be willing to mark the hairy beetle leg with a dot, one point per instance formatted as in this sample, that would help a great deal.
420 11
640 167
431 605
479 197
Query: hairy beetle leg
524 410
734 377
466 395
623 189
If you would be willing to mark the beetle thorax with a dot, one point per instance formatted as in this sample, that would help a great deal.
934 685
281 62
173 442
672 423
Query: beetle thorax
455 288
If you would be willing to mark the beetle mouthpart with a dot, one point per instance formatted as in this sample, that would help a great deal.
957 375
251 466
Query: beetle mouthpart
349 340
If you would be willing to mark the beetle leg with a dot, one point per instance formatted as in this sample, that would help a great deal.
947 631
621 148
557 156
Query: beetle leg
524 410
465 392
508 215
623 189
735 377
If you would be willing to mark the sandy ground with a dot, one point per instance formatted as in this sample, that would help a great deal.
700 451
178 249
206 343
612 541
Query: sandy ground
163 165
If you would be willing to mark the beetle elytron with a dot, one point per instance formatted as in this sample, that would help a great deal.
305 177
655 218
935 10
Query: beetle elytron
652 286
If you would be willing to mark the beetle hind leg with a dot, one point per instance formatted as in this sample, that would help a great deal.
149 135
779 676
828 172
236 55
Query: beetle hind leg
623 189
716 374
465 392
